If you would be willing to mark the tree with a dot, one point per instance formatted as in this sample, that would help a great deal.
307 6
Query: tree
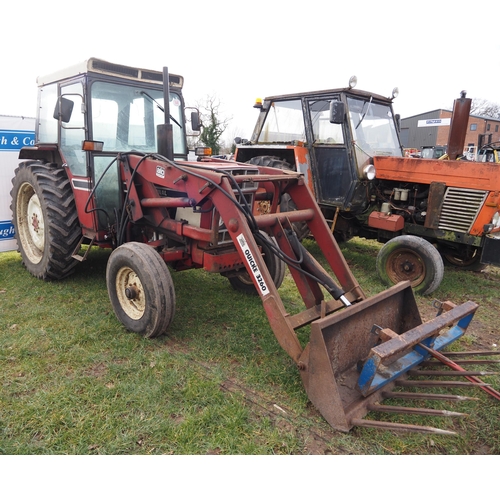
482 107
229 145
213 126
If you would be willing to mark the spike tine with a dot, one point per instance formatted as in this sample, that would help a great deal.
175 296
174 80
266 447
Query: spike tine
404 410
464 362
438 383
449 373
471 353
400 427
455 366
425 395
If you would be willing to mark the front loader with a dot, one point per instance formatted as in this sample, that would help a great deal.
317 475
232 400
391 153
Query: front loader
159 212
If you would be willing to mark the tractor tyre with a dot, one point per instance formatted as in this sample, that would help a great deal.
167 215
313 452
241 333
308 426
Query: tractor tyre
276 267
141 289
286 205
270 161
45 219
468 261
410 258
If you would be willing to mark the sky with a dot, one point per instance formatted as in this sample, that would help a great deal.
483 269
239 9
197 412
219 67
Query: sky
238 51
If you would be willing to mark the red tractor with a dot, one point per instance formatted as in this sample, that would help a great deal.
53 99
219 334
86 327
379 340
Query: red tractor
109 168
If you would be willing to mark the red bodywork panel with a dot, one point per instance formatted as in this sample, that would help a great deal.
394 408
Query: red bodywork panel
463 174
392 223
457 174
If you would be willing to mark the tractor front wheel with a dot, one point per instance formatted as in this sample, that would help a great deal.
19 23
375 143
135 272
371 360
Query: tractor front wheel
45 219
276 267
140 289
410 258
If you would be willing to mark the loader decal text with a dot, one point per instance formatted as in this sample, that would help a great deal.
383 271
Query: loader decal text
253 265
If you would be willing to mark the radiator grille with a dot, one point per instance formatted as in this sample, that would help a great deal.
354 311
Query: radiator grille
460 209
248 189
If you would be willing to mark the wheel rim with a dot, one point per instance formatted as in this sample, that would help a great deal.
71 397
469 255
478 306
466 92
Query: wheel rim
244 277
30 223
462 262
130 293
406 265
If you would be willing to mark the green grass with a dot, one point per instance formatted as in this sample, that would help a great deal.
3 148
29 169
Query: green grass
74 381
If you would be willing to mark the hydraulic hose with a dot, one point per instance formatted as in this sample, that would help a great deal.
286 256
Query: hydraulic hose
309 264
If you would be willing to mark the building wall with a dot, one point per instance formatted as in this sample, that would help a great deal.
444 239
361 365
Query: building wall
486 130
414 136
480 130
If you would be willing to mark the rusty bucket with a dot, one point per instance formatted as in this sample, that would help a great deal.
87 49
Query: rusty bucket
356 355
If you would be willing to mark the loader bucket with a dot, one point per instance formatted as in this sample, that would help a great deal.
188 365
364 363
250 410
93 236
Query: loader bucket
356 352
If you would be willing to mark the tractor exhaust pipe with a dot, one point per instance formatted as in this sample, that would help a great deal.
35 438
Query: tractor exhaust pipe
458 128
164 132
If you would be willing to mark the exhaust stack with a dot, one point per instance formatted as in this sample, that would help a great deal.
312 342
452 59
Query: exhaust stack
165 136
458 128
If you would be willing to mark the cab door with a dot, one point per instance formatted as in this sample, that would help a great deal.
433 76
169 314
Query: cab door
330 164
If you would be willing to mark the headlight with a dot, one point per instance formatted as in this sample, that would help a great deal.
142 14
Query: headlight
494 224
369 172
495 220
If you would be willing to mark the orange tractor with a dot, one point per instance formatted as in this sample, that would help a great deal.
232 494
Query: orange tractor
109 169
346 144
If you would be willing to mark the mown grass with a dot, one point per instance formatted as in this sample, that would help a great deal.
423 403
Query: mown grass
74 381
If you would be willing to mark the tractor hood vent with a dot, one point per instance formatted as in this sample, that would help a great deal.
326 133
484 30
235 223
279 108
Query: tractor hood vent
460 209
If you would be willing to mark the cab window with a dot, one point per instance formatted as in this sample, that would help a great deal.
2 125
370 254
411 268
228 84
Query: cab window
324 132
284 122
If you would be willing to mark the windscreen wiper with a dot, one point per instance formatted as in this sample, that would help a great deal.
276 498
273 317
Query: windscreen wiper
364 114
160 107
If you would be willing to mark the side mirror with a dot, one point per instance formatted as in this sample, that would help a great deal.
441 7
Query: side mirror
195 121
337 112
63 109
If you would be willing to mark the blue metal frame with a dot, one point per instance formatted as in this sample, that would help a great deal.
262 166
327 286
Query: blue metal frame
375 375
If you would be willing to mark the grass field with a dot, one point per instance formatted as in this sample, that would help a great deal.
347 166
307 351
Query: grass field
74 381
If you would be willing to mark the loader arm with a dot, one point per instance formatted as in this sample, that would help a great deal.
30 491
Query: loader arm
359 347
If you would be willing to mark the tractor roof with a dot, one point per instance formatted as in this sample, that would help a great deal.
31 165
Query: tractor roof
94 65
325 93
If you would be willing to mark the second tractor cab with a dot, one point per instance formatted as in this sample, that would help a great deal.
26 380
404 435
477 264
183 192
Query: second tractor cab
346 144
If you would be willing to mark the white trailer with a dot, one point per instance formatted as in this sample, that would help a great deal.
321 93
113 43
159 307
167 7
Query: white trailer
15 132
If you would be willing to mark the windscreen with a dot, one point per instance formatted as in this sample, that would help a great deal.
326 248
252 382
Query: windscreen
125 117
373 128
284 123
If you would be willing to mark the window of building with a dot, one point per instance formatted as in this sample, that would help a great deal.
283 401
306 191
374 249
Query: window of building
496 128
473 126
488 127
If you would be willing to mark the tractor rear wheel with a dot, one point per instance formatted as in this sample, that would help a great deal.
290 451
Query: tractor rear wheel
468 259
45 219
270 161
287 205
140 289
410 258
276 267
